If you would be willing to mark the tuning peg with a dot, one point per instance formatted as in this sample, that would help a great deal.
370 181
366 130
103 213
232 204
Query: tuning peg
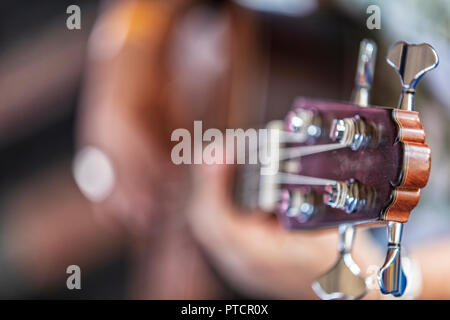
343 280
355 132
296 204
364 72
391 278
411 61
304 123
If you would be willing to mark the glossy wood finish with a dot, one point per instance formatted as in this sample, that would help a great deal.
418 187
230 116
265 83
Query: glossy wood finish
404 200
410 127
416 165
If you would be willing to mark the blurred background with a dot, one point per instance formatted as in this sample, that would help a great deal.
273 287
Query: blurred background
135 71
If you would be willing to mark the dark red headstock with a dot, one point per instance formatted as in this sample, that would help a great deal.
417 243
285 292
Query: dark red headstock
375 170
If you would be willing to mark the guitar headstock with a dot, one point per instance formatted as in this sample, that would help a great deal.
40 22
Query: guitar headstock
360 156
346 164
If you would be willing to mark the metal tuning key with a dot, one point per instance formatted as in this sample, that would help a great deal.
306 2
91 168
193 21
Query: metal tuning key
355 132
391 278
411 61
305 124
364 73
297 204
343 280
350 196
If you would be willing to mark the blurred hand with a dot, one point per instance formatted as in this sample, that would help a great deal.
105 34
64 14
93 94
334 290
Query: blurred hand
254 251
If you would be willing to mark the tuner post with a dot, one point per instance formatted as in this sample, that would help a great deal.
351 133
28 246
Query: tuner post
354 132
305 123
297 204
349 196
364 72
391 278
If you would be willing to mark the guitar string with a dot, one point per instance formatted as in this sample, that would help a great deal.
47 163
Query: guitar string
297 152
295 179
